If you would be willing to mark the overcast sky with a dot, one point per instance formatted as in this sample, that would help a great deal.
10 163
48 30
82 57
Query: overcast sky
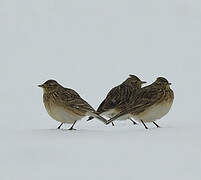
92 46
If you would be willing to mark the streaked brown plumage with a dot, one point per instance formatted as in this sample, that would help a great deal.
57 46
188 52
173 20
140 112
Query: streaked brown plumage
65 105
119 97
150 103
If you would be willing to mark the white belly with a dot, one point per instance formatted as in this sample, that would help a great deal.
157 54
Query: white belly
62 115
154 112
112 112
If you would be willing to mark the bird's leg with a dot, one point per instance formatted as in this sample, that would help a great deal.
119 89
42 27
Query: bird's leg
59 126
112 124
71 128
144 124
156 125
132 121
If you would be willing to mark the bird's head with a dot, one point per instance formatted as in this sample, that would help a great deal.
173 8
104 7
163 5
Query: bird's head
163 82
49 85
135 81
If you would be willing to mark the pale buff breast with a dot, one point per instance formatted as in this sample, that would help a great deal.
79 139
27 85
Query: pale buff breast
62 114
154 112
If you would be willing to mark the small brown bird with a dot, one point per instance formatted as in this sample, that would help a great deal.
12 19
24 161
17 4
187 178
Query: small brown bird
119 97
150 103
65 105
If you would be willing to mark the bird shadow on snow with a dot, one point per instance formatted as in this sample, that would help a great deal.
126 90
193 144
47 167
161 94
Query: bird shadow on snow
99 133
107 130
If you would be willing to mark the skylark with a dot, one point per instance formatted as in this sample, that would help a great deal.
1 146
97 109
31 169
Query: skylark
65 105
150 103
119 97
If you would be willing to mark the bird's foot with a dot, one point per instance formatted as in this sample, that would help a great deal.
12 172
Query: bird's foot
71 129
156 125
59 126
134 123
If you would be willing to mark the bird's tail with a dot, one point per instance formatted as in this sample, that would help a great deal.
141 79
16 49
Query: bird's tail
90 118
96 115
122 113
114 118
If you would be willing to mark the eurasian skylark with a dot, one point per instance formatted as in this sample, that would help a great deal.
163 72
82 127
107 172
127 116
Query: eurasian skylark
150 103
119 97
65 105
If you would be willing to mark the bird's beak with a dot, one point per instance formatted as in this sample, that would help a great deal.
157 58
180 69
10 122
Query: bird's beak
41 85
143 82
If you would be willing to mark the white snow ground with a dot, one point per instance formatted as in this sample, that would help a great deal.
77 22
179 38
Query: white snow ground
172 152
91 46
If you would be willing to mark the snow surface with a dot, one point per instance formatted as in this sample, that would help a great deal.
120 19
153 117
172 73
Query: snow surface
92 46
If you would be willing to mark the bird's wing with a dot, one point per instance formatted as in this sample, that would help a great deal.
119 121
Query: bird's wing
144 98
71 92
79 106
82 105
71 98
115 98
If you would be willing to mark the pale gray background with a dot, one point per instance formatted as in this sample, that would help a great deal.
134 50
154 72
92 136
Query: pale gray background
92 46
